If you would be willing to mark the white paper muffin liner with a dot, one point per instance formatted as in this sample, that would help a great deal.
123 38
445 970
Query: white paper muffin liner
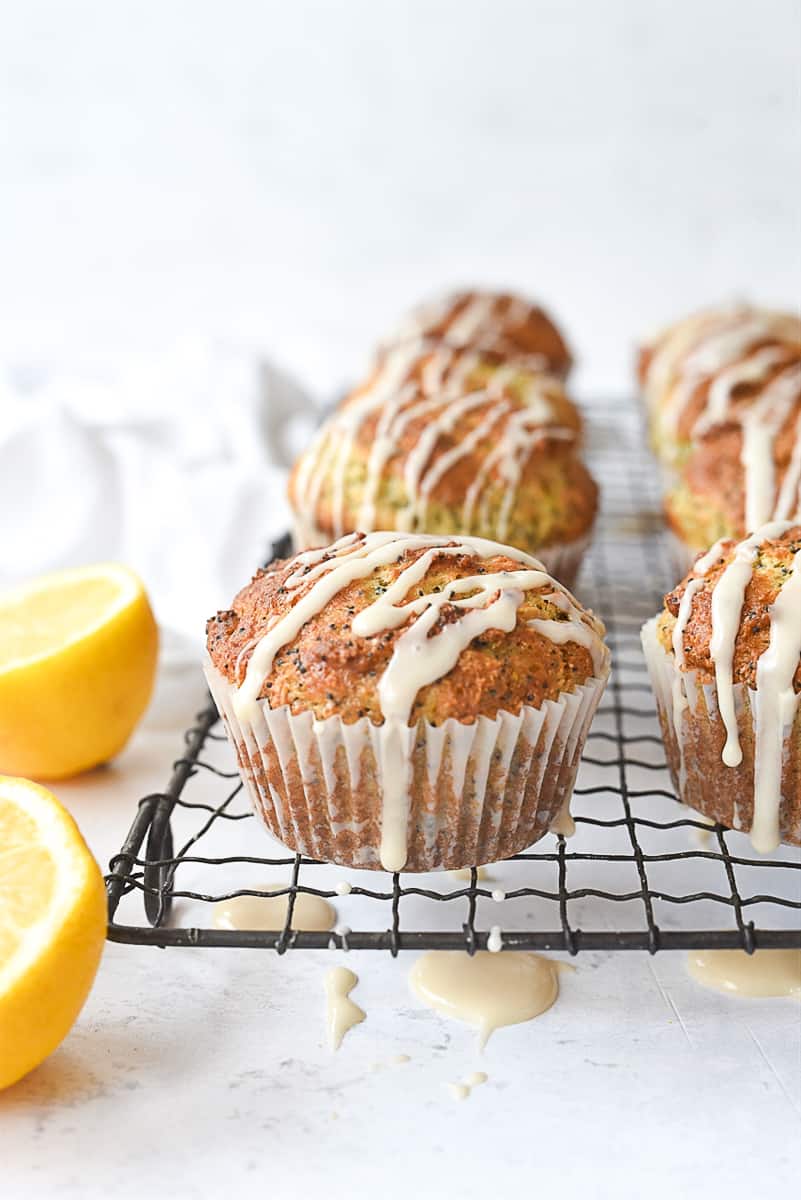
478 792
694 736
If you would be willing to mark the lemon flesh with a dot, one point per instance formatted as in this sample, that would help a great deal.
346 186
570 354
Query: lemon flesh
52 925
78 654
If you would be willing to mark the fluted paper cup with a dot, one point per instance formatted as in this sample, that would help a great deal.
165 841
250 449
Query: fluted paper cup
478 792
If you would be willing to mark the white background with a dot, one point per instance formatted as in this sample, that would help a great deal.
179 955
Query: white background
293 174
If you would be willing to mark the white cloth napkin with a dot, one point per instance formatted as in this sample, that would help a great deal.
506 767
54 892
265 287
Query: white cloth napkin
173 464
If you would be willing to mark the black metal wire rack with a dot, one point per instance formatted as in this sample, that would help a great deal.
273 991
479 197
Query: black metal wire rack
635 876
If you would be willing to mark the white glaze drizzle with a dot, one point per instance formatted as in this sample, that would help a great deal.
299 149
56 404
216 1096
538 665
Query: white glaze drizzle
727 605
418 458
751 370
419 657
789 501
524 430
670 349
705 562
475 317
775 700
327 451
714 353
707 347
484 323
444 372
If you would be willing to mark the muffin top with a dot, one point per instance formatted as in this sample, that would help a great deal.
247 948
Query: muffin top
726 609
447 441
711 367
498 322
745 472
405 627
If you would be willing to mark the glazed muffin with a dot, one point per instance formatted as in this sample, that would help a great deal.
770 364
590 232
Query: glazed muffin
451 442
705 370
745 472
498 322
407 701
725 661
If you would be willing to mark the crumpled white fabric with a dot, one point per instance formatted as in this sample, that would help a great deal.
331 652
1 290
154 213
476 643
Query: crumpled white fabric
174 464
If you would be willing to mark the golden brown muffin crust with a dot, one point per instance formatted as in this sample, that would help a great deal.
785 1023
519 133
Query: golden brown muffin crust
772 567
510 327
329 670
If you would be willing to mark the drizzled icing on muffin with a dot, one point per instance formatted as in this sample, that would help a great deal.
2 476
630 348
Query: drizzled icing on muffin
710 360
427 649
488 321
431 384
774 699
723 350
742 475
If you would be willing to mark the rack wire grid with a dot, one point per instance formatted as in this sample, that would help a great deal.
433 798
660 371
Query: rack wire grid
640 873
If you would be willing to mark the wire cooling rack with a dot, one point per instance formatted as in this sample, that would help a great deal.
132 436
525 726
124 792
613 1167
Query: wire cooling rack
640 873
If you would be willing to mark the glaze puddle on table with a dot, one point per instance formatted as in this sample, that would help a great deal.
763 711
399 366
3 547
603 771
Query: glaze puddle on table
487 990
763 973
311 913
342 1013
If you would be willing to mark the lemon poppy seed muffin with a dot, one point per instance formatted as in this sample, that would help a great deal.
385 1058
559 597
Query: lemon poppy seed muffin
704 370
497 322
451 442
405 700
743 473
725 661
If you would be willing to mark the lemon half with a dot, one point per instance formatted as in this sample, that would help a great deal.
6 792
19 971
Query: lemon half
78 653
52 925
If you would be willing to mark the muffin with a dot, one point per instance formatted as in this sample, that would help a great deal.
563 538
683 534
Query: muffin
451 442
701 371
743 473
407 701
498 322
725 662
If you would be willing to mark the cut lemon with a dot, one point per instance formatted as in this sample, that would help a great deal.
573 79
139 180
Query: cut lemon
77 662
52 925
